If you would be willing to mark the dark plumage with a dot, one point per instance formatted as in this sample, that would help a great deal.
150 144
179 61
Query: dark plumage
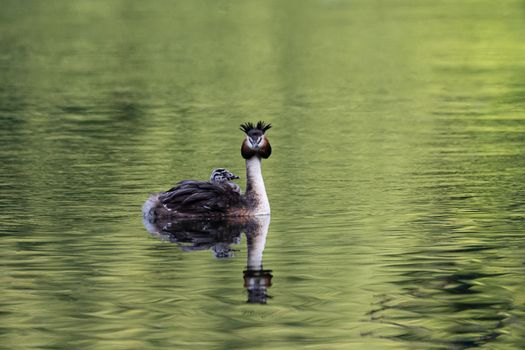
192 197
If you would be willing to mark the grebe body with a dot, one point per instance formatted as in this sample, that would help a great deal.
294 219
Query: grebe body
219 197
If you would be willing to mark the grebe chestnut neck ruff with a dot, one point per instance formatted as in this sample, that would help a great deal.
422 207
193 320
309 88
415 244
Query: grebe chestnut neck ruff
219 197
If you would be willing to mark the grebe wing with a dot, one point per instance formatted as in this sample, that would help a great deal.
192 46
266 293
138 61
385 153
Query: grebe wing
183 182
200 197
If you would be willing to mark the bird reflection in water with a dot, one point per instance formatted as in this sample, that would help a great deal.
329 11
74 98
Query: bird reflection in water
218 237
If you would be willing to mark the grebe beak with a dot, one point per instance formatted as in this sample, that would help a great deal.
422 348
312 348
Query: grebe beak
254 143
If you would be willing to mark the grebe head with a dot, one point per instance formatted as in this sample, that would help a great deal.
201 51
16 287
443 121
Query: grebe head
222 175
256 143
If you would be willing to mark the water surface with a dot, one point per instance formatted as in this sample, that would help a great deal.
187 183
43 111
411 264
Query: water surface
396 183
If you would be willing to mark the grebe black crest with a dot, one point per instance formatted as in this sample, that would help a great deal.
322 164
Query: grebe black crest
219 197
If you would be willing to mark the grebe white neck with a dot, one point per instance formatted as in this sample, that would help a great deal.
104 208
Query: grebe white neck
255 190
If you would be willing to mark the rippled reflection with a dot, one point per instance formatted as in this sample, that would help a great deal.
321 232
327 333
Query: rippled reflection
447 309
218 236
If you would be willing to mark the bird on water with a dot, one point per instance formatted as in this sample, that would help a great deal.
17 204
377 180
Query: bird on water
219 197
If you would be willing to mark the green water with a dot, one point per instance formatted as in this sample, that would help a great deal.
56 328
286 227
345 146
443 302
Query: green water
397 179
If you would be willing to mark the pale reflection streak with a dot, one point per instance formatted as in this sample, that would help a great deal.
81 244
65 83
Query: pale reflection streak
218 237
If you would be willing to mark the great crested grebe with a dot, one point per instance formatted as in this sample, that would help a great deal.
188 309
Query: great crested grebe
193 198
